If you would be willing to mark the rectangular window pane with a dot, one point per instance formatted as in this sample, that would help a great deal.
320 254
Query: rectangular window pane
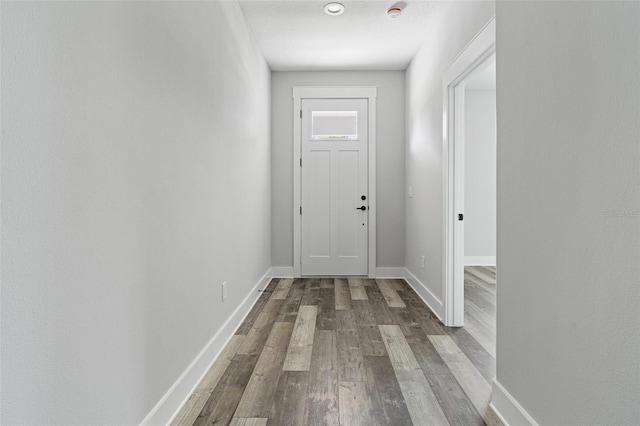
332 125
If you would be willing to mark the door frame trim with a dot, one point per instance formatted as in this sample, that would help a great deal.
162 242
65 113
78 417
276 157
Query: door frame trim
334 92
482 47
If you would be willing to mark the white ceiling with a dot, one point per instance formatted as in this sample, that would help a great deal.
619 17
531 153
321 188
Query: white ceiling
298 35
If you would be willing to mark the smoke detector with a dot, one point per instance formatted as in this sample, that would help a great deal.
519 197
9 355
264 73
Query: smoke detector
394 12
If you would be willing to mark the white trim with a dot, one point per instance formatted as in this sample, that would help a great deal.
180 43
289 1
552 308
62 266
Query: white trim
346 92
476 52
170 404
425 294
371 177
390 272
508 410
479 261
337 92
297 223
282 272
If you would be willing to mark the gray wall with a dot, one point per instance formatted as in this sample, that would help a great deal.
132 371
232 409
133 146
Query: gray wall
480 176
389 164
568 343
135 179
424 227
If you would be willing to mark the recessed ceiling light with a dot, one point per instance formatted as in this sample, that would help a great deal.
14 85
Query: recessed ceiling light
333 9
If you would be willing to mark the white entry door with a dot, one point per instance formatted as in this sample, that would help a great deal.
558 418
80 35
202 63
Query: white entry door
334 178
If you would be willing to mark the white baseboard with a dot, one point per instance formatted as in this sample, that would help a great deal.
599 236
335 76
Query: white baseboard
171 403
392 272
425 294
282 272
479 261
508 410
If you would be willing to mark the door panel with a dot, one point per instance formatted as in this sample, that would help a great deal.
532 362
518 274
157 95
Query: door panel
333 180
317 210
348 216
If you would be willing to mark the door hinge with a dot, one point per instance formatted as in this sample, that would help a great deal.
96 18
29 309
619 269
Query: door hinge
300 113
300 209
301 162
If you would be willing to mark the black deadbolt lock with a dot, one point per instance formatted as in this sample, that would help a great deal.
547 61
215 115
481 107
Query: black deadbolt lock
364 197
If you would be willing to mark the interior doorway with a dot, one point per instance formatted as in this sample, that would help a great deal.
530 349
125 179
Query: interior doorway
472 64
479 189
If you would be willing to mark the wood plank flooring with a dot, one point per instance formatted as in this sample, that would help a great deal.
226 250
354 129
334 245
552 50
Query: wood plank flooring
353 351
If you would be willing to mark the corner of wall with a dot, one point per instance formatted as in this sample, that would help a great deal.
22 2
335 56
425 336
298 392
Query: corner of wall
425 294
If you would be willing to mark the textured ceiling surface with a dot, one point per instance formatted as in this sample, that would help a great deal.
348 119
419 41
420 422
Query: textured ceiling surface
298 35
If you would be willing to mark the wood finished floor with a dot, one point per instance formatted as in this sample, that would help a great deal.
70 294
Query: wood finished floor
353 352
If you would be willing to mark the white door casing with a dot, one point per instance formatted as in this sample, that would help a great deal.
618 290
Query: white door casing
334 180
482 47
331 174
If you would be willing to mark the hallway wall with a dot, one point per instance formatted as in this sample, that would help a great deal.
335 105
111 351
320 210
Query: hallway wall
568 328
135 179
480 177
424 230
389 158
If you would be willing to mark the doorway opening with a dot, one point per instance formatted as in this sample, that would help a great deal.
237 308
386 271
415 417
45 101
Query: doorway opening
479 187
475 66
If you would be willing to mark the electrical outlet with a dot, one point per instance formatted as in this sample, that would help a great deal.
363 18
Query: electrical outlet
422 262
224 291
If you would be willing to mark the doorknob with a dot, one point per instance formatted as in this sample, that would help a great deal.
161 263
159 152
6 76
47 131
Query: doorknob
363 208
